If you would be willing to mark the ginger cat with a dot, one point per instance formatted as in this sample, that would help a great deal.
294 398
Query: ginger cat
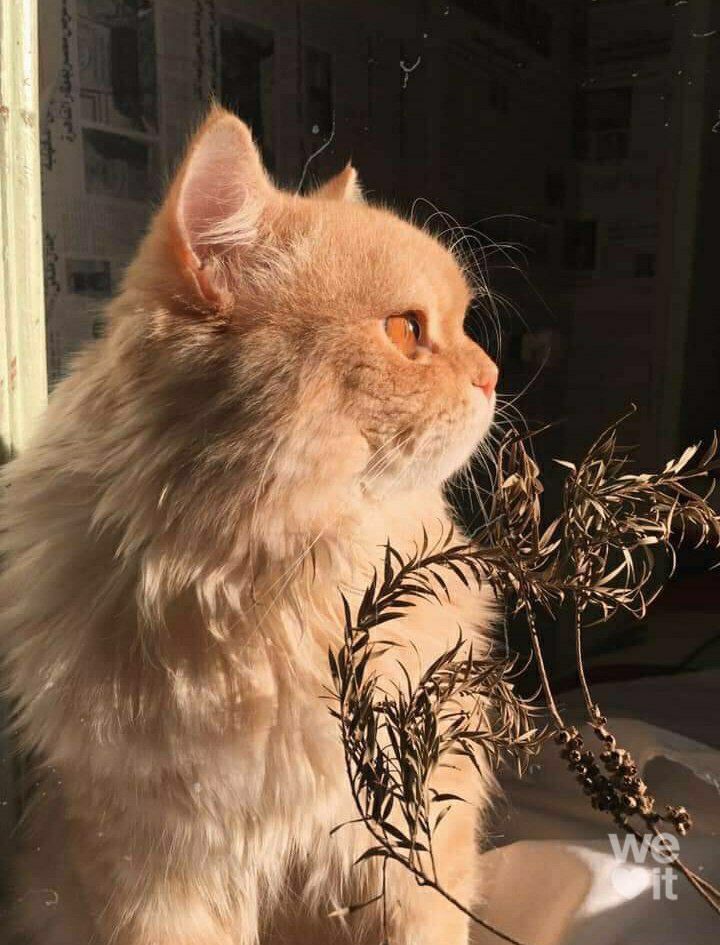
284 384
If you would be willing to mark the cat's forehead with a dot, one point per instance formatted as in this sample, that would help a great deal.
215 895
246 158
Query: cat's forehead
384 258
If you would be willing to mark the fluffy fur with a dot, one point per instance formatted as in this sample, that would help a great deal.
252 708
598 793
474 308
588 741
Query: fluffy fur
234 451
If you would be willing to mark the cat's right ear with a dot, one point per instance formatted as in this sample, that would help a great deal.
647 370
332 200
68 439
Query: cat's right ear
215 203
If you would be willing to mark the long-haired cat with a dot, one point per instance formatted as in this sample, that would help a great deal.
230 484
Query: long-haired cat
284 385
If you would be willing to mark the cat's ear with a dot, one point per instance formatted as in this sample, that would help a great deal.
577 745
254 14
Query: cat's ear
215 202
343 186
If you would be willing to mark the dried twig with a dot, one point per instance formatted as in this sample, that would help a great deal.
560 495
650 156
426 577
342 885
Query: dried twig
600 553
395 737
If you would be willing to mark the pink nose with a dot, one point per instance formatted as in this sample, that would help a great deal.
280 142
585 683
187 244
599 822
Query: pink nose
487 379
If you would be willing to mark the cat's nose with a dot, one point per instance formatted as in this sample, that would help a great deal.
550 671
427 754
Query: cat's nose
486 378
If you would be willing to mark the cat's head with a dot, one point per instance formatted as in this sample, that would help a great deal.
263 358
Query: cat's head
323 335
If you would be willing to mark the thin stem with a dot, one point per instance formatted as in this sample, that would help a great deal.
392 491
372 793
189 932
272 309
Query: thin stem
422 878
590 705
709 893
386 939
542 671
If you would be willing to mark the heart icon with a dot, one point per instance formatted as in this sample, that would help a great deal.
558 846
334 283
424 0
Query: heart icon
631 881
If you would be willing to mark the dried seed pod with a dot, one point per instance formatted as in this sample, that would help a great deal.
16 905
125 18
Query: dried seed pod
628 769
646 803
679 818
606 801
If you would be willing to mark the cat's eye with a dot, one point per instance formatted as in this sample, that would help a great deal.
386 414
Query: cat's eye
405 331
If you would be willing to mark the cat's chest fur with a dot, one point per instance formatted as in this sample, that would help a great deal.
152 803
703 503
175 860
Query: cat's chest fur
283 727
224 713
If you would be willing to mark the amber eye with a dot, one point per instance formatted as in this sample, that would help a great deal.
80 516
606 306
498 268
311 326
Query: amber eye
405 332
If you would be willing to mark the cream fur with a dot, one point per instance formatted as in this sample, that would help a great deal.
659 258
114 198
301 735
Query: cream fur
212 472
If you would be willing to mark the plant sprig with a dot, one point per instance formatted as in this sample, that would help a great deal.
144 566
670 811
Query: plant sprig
395 735
601 553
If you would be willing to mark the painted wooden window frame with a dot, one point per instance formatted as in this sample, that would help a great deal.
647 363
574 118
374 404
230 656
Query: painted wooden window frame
23 359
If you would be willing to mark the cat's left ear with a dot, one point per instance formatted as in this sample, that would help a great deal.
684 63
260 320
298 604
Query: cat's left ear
343 186
215 204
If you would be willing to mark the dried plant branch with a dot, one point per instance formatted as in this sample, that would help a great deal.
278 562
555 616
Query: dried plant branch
396 736
601 553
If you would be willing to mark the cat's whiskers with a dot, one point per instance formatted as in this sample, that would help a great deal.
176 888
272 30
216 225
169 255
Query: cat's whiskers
383 465
479 456
380 455
526 388
474 249
473 270
286 577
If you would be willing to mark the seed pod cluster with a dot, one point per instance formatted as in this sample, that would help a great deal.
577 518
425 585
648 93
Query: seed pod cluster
611 781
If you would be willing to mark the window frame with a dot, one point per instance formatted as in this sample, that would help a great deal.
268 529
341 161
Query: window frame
23 359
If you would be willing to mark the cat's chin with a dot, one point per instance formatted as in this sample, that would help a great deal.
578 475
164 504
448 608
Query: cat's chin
461 448
457 459
432 468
